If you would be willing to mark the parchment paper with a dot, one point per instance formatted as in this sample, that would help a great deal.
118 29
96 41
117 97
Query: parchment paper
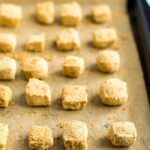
19 116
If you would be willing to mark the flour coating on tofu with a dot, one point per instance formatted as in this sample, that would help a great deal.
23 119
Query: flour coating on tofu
4 132
35 67
5 95
8 68
75 135
101 13
68 39
122 133
45 12
71 13
36 43
10 14
74 97
8 42
73 66
105 37
40 138
108 61
38 93
113 92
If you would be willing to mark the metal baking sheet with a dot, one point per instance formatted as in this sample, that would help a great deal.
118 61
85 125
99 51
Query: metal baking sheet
19 116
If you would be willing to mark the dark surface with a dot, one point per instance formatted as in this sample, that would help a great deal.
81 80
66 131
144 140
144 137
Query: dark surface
139 12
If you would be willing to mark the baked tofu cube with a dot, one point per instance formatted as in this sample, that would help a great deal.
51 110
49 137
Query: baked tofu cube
105 37
40 138
113 92
75 134
108 61
38 93
8 42
45 12
3 135
68 39
71 13
101 13
8 68
35 67
5 95
122 133
36 43
74 97
10 14
73 66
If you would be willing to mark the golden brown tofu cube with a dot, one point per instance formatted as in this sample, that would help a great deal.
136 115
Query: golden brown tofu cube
3 135
5 95
71 13
73 66
35 67
8 42
45 12
122 133
113 92
40 138
68 39
75 134
108 61
101 13
74 97
38 93
105 37
8 68
36 43
10 14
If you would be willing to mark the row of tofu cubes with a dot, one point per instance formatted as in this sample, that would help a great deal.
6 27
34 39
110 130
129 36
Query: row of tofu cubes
74 135
70 13
66 40
108 61
112 92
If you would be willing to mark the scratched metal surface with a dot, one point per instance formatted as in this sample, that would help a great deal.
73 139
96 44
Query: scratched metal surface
19 116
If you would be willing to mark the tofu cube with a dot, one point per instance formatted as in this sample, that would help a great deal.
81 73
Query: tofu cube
105 37
75 134
3 135
8 42
40 138
108 61
5 95
101 13
45 12
38 93
122 133
74 97
35 67
10 15
68 39
8 68
71 13
73 66
113 92
36 43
